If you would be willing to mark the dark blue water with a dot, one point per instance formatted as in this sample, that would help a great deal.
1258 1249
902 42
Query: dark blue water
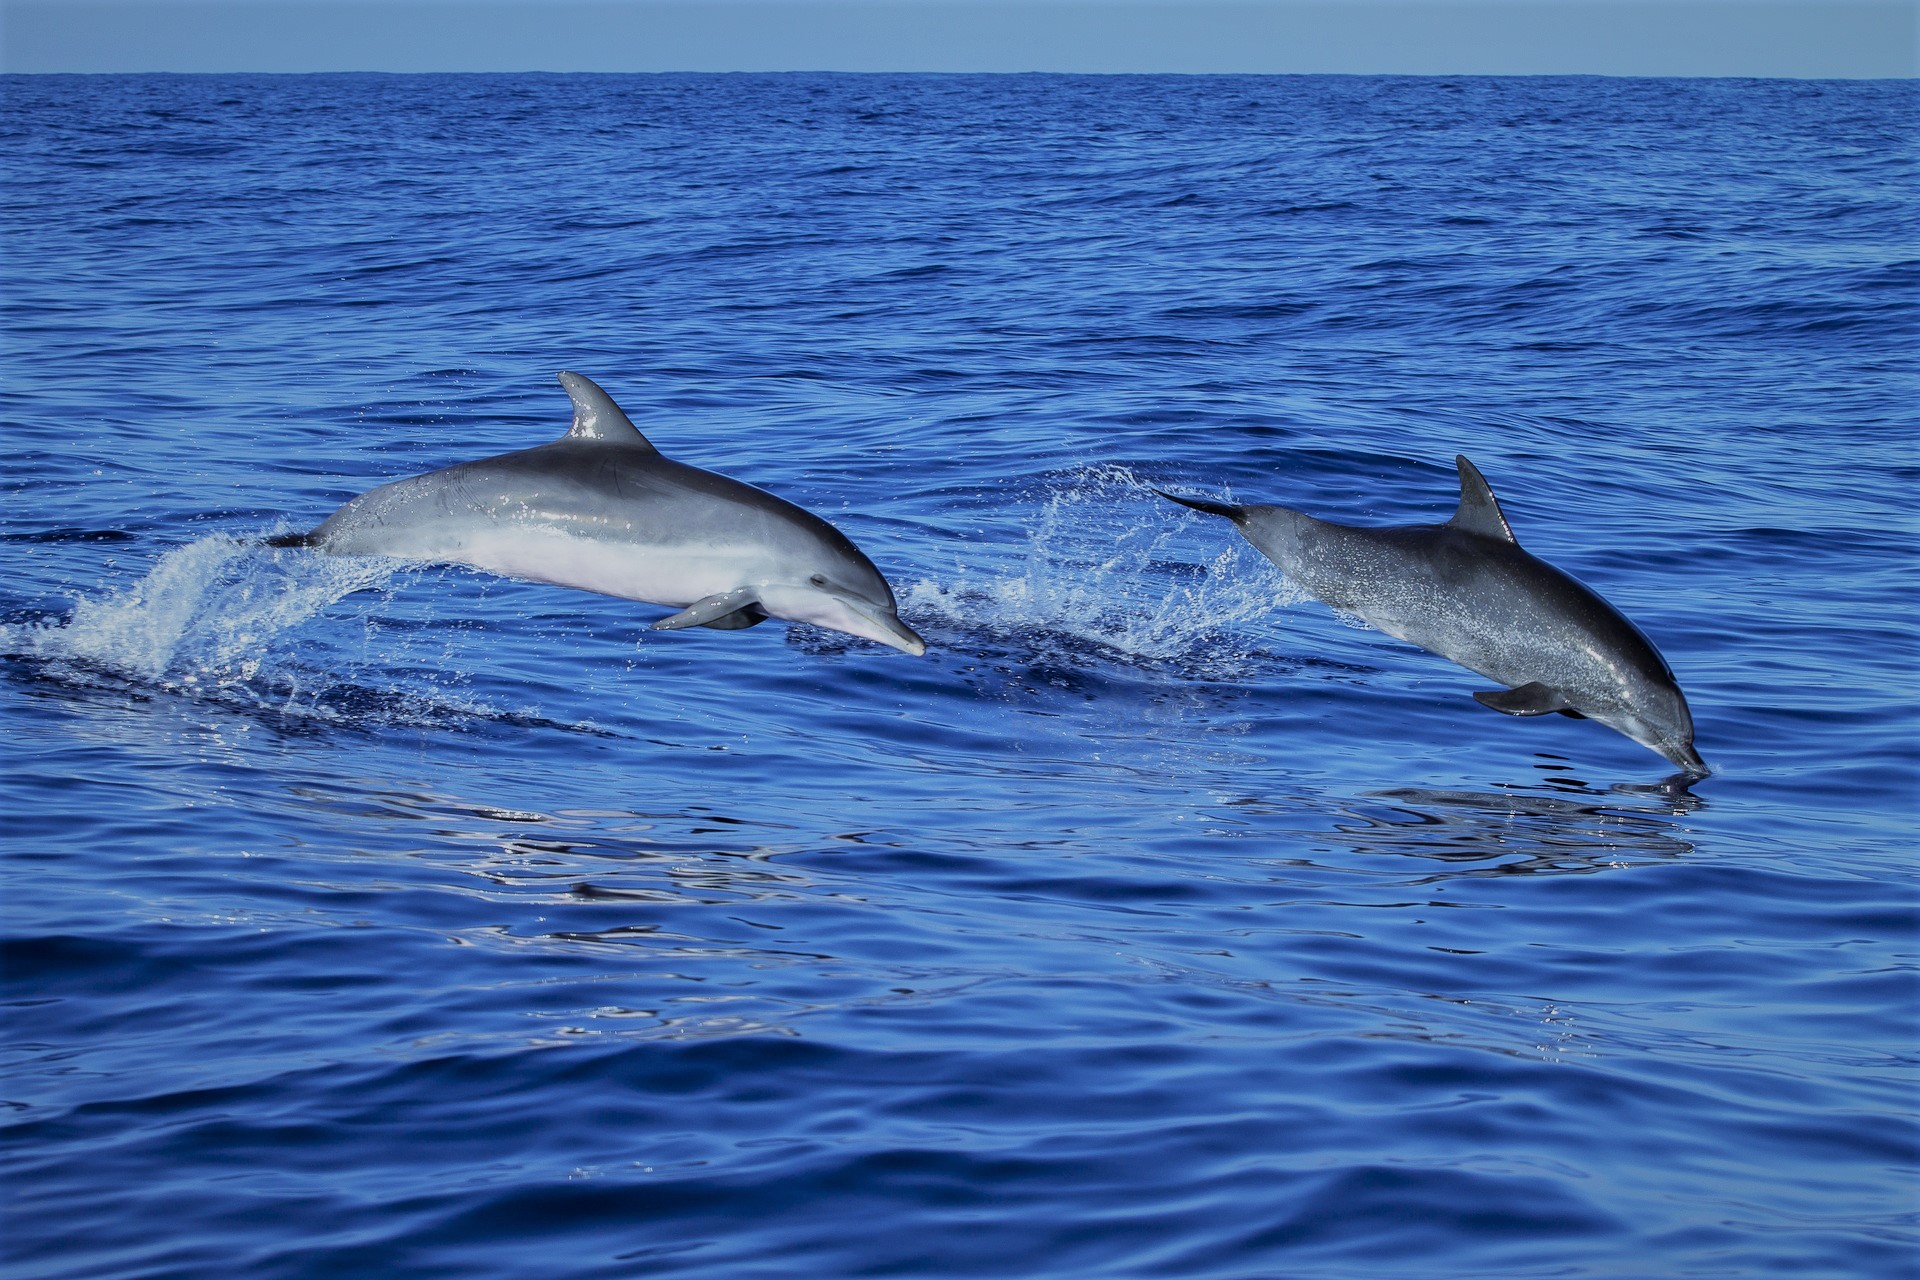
387 921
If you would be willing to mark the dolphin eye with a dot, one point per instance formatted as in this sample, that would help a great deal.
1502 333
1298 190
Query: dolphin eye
818 579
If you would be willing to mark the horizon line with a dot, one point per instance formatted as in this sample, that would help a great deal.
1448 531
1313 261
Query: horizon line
1009 75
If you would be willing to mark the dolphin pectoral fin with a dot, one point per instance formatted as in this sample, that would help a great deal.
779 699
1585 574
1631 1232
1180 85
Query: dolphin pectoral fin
1533 699
740 619
722 612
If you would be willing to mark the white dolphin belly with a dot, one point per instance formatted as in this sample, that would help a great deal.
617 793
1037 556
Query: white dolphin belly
675 576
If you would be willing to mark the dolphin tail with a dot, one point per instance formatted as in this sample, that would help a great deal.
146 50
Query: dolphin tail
289 540
1226 509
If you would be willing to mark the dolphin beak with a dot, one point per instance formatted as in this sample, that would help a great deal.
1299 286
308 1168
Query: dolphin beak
886 627
1689 759
898 634
839 610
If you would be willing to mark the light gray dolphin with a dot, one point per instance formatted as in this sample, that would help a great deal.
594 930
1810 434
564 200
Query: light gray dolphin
1468 592
601 509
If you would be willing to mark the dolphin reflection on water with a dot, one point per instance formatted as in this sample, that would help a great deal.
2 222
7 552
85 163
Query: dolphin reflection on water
601 509
1467 591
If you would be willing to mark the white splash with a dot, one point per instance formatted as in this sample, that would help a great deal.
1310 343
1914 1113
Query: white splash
225 620
205 616
1110 563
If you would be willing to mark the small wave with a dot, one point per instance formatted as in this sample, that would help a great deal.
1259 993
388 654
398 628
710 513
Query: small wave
1124 588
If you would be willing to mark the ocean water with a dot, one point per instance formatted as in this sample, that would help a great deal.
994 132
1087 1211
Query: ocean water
381 920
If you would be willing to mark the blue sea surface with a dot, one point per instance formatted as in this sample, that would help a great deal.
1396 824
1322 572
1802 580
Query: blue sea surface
370 919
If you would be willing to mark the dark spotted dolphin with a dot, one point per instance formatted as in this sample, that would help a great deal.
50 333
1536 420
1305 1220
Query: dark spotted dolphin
1467 591
601 509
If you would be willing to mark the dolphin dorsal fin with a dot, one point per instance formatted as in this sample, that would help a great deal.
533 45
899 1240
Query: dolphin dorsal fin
1479 510
597 417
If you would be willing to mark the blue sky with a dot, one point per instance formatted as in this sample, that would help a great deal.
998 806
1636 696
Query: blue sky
1840 38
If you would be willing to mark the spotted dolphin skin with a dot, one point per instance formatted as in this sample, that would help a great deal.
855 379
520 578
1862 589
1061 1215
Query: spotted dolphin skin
601 509
1467 591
